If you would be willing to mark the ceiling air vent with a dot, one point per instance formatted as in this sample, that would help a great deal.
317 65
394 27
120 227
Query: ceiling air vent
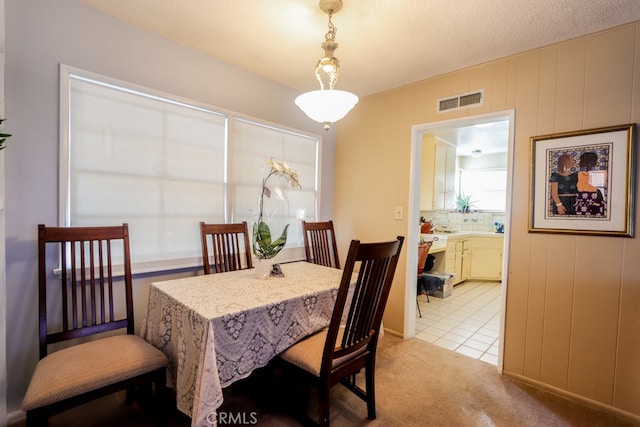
448 104
466 100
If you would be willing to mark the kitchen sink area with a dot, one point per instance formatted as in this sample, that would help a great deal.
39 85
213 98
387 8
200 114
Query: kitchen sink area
465 319
466 245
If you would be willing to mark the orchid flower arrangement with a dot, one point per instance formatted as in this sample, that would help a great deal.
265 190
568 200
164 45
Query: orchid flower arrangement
3 136
263 246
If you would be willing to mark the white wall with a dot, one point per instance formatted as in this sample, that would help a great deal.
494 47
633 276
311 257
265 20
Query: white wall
41 34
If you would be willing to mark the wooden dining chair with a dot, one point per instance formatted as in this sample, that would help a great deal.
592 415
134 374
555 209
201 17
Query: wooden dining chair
91 295
229 247
336 354
320 243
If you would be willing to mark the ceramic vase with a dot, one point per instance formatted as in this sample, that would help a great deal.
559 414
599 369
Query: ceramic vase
262 268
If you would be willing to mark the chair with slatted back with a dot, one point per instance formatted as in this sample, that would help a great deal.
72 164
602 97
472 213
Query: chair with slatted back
320 243
336 354
225 247
91 296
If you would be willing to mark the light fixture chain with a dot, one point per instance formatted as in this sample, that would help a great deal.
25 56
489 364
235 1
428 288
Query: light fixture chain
331 34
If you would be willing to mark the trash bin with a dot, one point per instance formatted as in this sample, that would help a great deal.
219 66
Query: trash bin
439 285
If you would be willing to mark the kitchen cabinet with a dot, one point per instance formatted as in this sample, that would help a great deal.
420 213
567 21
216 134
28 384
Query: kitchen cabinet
465 260
486 258
457 259
437 183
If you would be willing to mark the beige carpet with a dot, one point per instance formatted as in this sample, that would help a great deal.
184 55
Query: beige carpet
418 384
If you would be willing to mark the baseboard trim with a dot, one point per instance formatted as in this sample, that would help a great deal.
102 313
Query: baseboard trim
391 332
575 397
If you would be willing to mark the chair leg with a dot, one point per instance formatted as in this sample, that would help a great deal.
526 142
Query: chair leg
371 391
163 402
35 419
129 395
418 304
323 405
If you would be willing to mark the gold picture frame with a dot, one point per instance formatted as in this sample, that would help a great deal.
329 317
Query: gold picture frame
583 182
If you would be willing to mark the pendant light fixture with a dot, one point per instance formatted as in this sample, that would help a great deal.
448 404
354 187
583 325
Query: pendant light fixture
327 105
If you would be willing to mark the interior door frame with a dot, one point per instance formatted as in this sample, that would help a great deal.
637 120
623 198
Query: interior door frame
413 233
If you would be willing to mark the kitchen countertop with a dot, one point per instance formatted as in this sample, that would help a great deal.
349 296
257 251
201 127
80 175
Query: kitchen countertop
463 234
441 244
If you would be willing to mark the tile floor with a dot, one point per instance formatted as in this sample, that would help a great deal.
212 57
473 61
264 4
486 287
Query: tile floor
466 322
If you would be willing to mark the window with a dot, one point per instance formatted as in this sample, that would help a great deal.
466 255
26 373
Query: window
487 187
163 165
253 144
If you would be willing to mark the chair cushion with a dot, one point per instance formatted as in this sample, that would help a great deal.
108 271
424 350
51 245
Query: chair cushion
90 366
307 354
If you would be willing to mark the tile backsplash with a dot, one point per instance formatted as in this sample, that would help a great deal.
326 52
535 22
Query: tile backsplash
474 221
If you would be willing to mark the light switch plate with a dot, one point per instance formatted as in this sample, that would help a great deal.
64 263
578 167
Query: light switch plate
399 212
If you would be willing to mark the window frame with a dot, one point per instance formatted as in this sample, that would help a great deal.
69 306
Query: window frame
290 253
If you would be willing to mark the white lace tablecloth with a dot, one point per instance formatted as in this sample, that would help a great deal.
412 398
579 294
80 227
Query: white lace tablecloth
217 328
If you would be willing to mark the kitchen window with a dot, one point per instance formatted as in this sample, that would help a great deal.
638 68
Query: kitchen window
487 188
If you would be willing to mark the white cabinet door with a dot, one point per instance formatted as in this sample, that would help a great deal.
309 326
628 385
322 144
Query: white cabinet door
465 255
440 177
449 196
450 260
427 173
486 258
457 260
437 181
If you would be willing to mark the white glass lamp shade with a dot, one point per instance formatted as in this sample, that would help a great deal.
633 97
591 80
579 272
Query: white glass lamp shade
326 106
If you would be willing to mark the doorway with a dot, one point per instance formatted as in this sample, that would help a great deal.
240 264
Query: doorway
418 131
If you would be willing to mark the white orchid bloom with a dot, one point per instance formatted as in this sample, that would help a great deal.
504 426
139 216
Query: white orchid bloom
263 246
295 179
278 167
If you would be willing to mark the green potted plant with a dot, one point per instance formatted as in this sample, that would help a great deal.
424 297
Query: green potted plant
3 136
464 203
264 248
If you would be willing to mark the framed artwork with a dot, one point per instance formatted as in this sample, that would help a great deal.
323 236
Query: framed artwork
583 182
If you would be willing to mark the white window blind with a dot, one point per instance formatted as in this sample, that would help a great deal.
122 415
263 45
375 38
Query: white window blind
252 145
487 188
163 166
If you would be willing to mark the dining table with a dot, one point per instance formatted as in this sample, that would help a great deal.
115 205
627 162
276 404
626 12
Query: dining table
217 328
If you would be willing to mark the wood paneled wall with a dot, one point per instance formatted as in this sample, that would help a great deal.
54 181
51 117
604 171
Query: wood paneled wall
572 316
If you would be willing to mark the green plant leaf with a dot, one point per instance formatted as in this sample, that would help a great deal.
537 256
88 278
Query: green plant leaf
263 247
3 136
464 202
279 243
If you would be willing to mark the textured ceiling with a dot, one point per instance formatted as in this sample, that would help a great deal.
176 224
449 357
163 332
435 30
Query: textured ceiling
383 44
